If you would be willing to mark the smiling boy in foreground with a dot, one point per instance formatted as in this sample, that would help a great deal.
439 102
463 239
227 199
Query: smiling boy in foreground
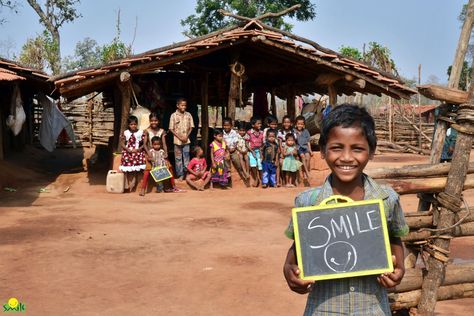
347 144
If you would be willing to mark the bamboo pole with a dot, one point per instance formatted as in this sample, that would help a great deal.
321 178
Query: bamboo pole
125 97
290 102
414 171
454 187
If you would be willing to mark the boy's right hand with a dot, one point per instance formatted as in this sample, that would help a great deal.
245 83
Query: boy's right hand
292 272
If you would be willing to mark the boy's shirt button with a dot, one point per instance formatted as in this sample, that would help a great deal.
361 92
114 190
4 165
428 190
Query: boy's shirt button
352 289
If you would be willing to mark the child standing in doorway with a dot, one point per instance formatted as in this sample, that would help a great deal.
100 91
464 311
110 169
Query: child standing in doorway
219 172
291 165
133 154
270 158
304 147
347 144
181 126
254 142
197 176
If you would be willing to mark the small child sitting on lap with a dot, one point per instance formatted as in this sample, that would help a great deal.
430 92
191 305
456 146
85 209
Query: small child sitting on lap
347 144
197 176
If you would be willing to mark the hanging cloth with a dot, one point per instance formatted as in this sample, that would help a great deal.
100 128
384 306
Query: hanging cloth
17 116
53 122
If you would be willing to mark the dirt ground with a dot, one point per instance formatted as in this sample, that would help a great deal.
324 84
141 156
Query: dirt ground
87 252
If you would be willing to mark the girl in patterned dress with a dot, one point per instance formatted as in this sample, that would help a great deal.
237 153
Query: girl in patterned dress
133 154
291 165
219 172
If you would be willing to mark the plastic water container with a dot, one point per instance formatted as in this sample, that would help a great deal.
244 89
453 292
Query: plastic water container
115 182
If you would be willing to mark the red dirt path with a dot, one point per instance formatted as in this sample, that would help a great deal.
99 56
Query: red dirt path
86 252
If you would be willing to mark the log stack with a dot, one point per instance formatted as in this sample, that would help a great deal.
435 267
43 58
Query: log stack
459 280
92 118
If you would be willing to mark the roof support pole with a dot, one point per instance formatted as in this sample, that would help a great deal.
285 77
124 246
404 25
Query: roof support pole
234 89
332 93
290 103
273 104
205 112
2 125
125 97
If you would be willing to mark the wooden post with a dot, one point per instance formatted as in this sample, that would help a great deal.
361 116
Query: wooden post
273 104
454 187
420 143
2 156
90 108
234 88
125 97
464 38
390 115
332 93
205 112
290 103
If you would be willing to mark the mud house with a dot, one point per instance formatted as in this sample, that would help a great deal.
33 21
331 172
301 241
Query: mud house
223 69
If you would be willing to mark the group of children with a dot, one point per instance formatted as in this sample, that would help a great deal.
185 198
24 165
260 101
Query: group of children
271 157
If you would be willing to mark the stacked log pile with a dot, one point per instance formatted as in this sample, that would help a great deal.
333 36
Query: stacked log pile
92 118
459 280
403 135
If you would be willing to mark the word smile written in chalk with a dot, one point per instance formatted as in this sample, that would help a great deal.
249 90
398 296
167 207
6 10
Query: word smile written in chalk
348 225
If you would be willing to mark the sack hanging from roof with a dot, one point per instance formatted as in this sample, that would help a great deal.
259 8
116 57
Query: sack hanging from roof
17 116
142 113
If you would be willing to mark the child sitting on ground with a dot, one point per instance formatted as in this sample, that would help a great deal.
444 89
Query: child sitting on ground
269 155
304 147
219 172
254 142
291 165
197 176
347 144
133 154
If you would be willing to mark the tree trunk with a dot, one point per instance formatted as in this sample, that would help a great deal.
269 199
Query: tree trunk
205 113
56 58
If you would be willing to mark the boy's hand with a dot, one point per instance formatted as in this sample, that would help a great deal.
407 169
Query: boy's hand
292 272
391 279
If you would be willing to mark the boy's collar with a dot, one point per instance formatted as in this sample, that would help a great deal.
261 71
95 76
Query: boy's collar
372 190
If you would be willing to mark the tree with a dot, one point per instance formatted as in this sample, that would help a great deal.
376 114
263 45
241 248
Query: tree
464 81
33 53
9 4
117 49
86 54
351 52
379 56
207 19
53 15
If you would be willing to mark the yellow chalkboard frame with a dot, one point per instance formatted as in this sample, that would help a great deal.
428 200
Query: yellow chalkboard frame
162 179
324 206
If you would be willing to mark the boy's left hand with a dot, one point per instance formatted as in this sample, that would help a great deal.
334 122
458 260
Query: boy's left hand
391 279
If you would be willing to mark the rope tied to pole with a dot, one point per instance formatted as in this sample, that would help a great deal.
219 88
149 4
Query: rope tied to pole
238 70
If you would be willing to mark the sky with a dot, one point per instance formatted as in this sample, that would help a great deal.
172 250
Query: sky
417 32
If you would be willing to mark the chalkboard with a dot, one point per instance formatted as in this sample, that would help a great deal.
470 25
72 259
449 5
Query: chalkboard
160 173
342 239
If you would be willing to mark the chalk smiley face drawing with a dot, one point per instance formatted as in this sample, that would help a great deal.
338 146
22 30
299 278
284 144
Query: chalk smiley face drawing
340 256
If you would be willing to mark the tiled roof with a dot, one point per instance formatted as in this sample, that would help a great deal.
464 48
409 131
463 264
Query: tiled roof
12 70
257 32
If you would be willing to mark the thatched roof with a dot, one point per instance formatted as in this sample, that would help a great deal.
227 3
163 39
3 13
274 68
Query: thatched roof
272 58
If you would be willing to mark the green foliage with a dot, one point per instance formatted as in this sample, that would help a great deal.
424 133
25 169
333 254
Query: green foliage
207 19
462 15
33 53
86 54
351 52
117 49
379 56
465 79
